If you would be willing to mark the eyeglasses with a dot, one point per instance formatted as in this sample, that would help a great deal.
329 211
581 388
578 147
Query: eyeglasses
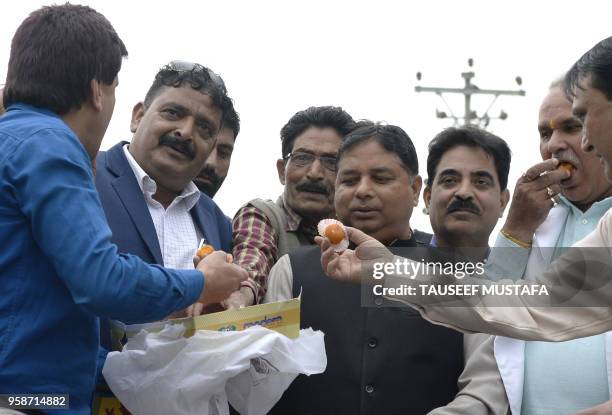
303 159
185 66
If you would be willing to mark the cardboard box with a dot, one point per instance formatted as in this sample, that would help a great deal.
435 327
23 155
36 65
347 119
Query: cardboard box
281 316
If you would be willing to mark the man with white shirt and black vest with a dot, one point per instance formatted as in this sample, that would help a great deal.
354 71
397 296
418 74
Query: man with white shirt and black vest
380 359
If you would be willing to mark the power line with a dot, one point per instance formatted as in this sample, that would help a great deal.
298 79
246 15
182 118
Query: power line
470 116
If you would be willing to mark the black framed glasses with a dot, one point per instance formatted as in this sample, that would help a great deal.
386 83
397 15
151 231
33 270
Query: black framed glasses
304 159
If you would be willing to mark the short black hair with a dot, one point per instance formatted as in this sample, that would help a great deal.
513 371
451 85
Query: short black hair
597 63
55 54
177 74
321 117
392 138
470 136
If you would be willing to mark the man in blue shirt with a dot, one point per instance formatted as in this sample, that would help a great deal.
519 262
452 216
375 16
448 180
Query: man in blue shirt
59 270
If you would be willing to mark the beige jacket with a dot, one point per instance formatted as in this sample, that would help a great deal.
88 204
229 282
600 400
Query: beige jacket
516 316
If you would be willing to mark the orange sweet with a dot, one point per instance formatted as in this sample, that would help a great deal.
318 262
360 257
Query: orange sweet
566 166
334 233
205 250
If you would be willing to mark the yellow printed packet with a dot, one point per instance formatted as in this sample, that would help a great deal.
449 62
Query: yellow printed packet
281 316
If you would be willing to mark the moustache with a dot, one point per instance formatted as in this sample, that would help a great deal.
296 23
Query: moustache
181 145
313 187
209 174
567 155
460 204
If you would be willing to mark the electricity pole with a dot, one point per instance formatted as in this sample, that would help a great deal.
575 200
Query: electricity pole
470 116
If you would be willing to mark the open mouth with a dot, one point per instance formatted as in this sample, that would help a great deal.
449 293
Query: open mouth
572 171
569 167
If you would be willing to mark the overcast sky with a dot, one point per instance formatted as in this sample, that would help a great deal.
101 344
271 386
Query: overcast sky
280 57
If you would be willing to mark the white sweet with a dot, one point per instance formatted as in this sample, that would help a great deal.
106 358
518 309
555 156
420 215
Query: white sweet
322 226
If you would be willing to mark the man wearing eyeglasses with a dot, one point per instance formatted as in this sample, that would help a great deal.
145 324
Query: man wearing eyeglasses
264 230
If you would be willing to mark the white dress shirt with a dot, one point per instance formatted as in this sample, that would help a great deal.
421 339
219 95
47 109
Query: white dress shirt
177 233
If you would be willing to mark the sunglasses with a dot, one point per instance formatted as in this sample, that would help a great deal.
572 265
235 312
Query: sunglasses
179 67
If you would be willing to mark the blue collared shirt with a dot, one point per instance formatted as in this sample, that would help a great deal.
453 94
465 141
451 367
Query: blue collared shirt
508 260
58 269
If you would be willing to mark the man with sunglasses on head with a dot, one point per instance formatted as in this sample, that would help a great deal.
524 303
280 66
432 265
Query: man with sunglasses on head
153 208
264 230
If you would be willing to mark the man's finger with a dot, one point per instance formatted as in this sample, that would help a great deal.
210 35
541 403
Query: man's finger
243 275
556 188
324 245
218 255
356 236
332 266
327 253
327 256
550 178
535 171
194 309
229 304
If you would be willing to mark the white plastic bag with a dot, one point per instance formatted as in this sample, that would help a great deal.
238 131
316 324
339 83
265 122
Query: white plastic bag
165 373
